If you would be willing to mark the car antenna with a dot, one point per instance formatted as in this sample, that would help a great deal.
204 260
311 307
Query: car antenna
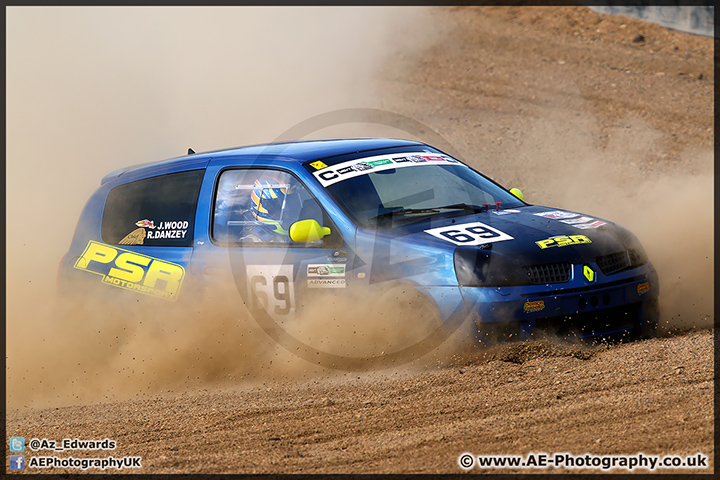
190 151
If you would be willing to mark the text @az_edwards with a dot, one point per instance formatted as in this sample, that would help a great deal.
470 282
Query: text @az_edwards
71 444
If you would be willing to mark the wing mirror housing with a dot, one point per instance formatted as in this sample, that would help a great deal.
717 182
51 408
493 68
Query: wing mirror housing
517 193
307 231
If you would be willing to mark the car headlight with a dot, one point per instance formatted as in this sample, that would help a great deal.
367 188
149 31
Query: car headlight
479 267
636 252
471 266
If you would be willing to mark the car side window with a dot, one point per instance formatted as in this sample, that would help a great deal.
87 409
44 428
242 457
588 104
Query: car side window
155 211
258 206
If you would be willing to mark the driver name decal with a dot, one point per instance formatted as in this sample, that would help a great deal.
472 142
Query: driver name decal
475 233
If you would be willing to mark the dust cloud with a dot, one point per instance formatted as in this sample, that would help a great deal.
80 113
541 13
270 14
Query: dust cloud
613 173
105 348
93 89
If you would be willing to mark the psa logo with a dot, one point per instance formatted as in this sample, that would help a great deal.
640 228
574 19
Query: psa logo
562 241
132 271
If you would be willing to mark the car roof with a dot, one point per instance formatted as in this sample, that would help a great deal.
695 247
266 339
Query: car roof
298 152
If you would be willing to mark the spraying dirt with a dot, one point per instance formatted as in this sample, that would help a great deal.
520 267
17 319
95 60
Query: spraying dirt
566 104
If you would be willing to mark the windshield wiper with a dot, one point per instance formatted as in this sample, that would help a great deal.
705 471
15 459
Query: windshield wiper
405 211
434 210
469 208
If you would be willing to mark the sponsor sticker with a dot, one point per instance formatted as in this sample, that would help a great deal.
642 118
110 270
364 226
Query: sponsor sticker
318 165
535 306
573 221
326 270
377 163
136 237
475 233
145 223
326 276
643 288
556 214
563 241
505 212
132 271
326 282
594 224
361 166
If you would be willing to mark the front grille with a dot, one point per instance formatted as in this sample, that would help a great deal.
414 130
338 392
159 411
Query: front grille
613 263
595 322
549 273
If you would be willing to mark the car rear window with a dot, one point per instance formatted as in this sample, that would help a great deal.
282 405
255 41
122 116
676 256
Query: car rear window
156 211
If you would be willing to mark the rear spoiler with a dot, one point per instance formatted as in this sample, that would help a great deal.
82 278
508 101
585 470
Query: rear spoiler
114 174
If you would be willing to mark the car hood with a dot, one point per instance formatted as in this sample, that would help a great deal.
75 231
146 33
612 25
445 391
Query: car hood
529 234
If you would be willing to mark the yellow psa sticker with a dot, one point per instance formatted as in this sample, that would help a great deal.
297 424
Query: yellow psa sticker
563 241
318 165
132 271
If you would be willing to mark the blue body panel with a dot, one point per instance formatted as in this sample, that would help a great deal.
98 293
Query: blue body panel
407 255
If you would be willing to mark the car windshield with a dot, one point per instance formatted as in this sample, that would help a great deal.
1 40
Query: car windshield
385 194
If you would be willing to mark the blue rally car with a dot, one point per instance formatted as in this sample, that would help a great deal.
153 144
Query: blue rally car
291 220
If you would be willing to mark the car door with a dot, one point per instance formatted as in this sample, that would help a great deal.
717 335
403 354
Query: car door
247 242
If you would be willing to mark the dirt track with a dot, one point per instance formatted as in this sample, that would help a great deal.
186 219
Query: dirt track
494 78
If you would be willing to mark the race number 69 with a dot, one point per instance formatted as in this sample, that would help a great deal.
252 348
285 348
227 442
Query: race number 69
469 234
270 288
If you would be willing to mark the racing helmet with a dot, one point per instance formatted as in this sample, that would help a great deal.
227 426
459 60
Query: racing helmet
268 200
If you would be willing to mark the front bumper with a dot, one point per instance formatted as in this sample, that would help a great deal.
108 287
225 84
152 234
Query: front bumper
610 306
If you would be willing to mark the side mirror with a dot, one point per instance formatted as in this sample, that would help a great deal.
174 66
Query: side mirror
307 231
517 193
